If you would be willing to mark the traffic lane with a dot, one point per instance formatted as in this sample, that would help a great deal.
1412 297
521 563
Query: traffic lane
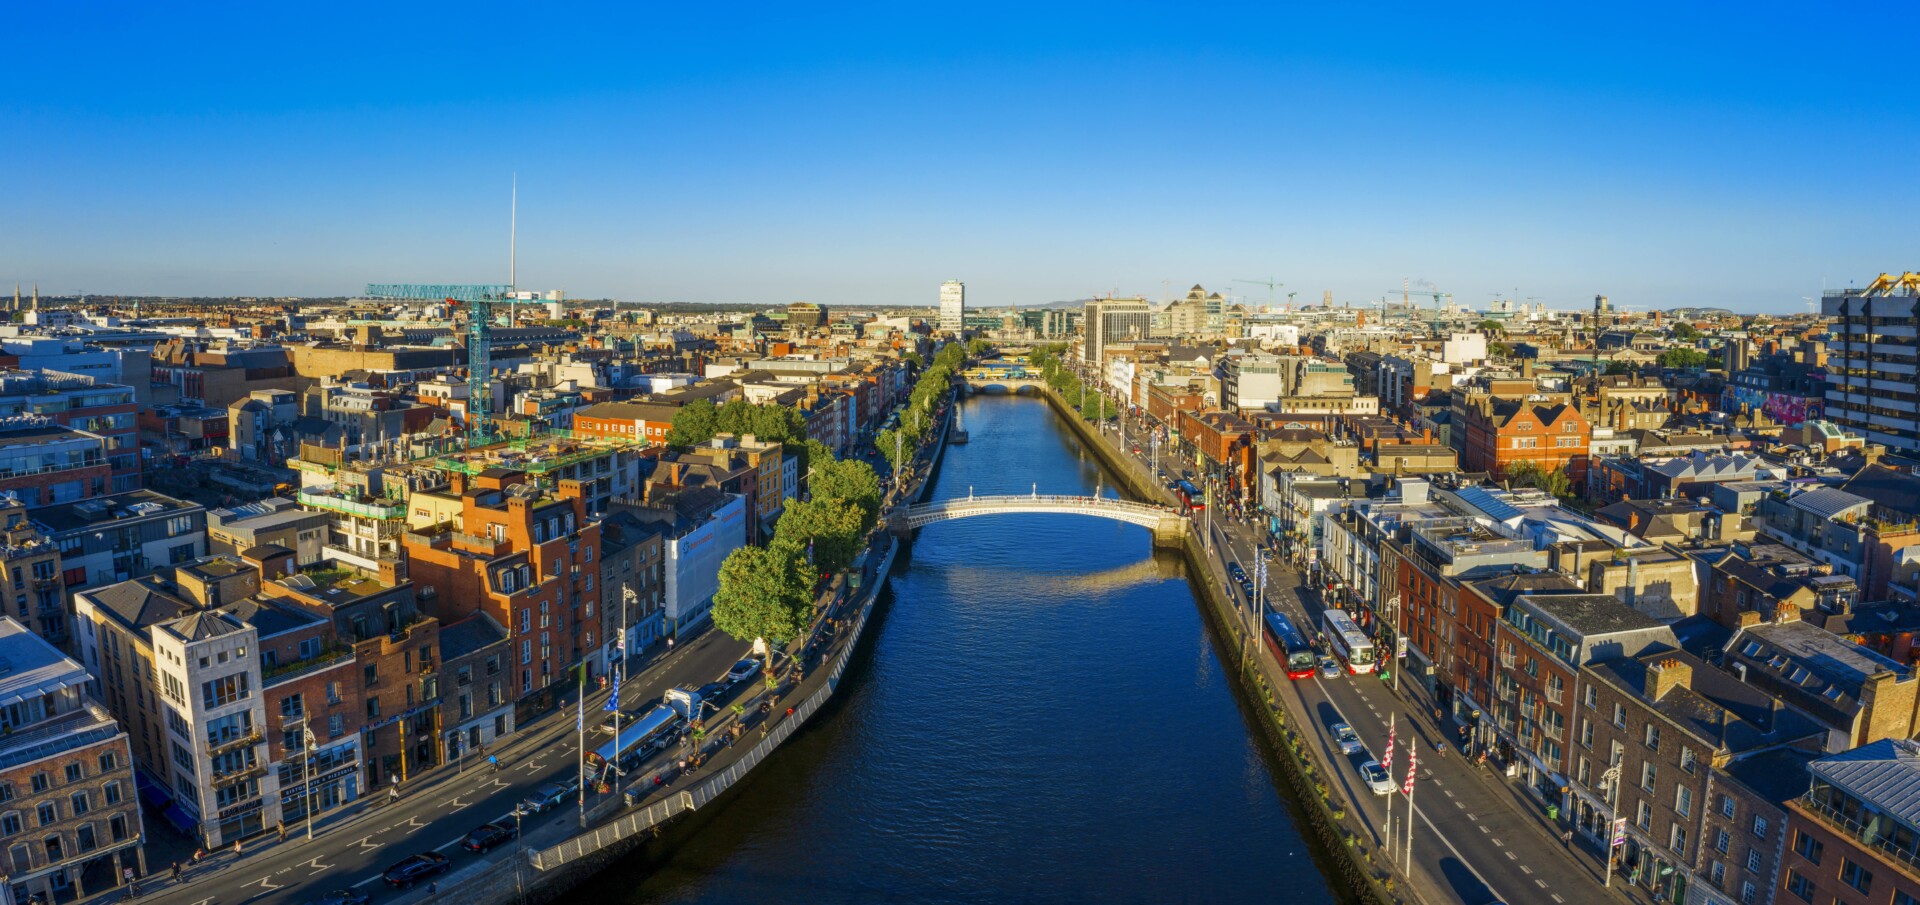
1459 815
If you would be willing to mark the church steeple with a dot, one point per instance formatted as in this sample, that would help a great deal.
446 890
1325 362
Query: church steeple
16 296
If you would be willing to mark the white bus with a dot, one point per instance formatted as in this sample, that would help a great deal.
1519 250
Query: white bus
1348 641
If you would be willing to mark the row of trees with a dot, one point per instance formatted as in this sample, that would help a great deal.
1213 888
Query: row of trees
767 592
1093 406
899 444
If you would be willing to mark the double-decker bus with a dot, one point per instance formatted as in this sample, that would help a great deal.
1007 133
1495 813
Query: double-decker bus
1289 646
1190 495
635 742
1349 643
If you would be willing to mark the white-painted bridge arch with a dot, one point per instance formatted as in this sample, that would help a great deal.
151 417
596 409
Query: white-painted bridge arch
1165 523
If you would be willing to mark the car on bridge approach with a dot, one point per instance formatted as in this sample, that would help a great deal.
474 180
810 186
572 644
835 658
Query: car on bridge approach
415 868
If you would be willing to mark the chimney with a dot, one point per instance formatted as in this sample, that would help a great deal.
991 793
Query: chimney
1748 618
1666 675
1785 611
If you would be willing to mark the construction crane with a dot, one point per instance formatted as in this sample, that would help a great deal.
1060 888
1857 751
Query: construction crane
1406 301
1271 284
479 300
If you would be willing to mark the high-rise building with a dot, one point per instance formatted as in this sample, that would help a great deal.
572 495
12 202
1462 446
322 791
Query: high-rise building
953 306
1115 320
1871 358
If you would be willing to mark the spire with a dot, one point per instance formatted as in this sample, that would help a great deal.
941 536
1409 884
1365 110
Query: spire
16 296
36 298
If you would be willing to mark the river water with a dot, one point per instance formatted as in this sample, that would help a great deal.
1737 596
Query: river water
1040 716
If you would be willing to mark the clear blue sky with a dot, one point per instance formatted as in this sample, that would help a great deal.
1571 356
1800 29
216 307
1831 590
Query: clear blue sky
1660 154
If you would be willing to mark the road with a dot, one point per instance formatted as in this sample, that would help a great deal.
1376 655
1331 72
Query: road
437 812
1476 839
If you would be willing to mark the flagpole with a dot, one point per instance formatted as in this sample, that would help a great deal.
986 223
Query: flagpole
1387 765
1413 764
580 726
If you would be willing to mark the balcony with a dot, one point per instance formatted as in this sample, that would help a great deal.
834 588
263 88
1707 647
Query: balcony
1878 838
216 747
244 773
45 584
362 507
1509 693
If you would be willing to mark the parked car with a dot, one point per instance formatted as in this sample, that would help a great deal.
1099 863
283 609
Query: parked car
1329 668
416 868
1376 778
339 897
1349 740
488 835
1239 574
743 670
547 796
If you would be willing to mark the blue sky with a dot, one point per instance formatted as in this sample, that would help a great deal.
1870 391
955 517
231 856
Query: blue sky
1661 155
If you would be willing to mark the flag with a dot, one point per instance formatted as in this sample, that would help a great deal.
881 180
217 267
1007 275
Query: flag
1386 760
580 716
613 700
1413 764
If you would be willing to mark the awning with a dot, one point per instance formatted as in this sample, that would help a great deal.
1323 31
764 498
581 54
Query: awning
181 820
154 794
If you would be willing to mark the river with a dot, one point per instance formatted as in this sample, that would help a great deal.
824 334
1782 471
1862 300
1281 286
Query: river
1042 715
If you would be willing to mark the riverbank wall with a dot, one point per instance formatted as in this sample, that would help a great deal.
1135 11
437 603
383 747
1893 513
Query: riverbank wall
1358 870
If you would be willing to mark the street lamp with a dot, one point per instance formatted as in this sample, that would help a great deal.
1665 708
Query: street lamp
1610 785
519 854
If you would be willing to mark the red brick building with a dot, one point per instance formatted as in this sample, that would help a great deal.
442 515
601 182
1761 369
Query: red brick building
1502 432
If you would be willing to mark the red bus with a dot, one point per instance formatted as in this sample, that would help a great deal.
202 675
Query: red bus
1289 647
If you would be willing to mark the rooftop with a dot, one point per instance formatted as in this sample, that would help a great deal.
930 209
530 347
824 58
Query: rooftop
62 517
1885 774
1810 656
30 667
1589 614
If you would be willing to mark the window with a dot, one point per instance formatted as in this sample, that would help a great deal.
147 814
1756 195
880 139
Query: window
223 691
373 708
1686 759
336 724
1724 840
80 802
1904 898
1855 876
1592 697
1677 840
1726 806
112 792
1807 847
108 763
54 853
1619 716
47 813
371 672
1682 801
41 782
1644 817
1749 893
87 841
1652 737
1753 859
292 707
9 824
1760 826
1647 776
75 772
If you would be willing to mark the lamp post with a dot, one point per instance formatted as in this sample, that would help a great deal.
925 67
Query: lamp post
519 855
307 741
1393 641
1610 784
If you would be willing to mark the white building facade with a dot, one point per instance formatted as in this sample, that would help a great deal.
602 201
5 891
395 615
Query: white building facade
953 306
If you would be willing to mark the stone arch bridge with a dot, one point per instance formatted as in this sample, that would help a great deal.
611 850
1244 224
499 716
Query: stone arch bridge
1168 526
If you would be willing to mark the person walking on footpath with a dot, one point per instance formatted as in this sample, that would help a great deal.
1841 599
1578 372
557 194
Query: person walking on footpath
236 848
1566 839
176 871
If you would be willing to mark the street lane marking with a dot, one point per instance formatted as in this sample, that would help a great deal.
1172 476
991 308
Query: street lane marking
1525 869
455 802
1484 829
366 845
1496 841
317 866
413 823
265 883
449 844
1540 883
1556 898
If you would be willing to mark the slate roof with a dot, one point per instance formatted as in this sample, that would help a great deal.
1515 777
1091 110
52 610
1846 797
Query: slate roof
1885 774
33 667
138 604
1714 706
1778 776
1592 614
1827 502
468 635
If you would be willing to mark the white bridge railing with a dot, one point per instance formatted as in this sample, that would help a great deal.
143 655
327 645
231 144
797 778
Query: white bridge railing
1143 514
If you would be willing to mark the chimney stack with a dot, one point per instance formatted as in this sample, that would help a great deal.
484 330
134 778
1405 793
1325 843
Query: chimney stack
1666 675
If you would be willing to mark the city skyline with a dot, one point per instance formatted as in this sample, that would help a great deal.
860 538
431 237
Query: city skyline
859 158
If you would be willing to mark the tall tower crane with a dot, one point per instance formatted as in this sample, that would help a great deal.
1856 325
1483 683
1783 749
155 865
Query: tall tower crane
479 301
1271 284
1406 301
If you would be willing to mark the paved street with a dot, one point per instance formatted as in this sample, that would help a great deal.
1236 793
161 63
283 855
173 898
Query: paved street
436 812
1477 838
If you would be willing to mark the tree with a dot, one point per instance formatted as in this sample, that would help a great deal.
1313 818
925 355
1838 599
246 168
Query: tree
1551 480
1491 326
695 423
1684 358
851 481
765 592
913 358
1685 332
833 527
893 444
1620 367
978 347
1499 349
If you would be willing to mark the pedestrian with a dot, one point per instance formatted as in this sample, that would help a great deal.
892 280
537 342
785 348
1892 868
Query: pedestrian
198 853
1566 839
433 887
393 793
176 871
236 848
283 832
669 644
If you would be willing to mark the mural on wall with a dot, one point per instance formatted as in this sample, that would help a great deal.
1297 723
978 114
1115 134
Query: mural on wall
1784 408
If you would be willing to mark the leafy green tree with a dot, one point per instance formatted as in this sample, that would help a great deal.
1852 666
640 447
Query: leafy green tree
834 527
1621 367
1685 332
1684 358
1491 326
1551 480
851 481
765 592
893 444
978 347
913 358
1499 349
695 423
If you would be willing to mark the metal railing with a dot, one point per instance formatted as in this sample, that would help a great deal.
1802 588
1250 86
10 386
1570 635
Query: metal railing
251 737
1858 832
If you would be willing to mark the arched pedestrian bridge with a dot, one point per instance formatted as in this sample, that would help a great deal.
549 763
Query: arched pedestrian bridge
1168 526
